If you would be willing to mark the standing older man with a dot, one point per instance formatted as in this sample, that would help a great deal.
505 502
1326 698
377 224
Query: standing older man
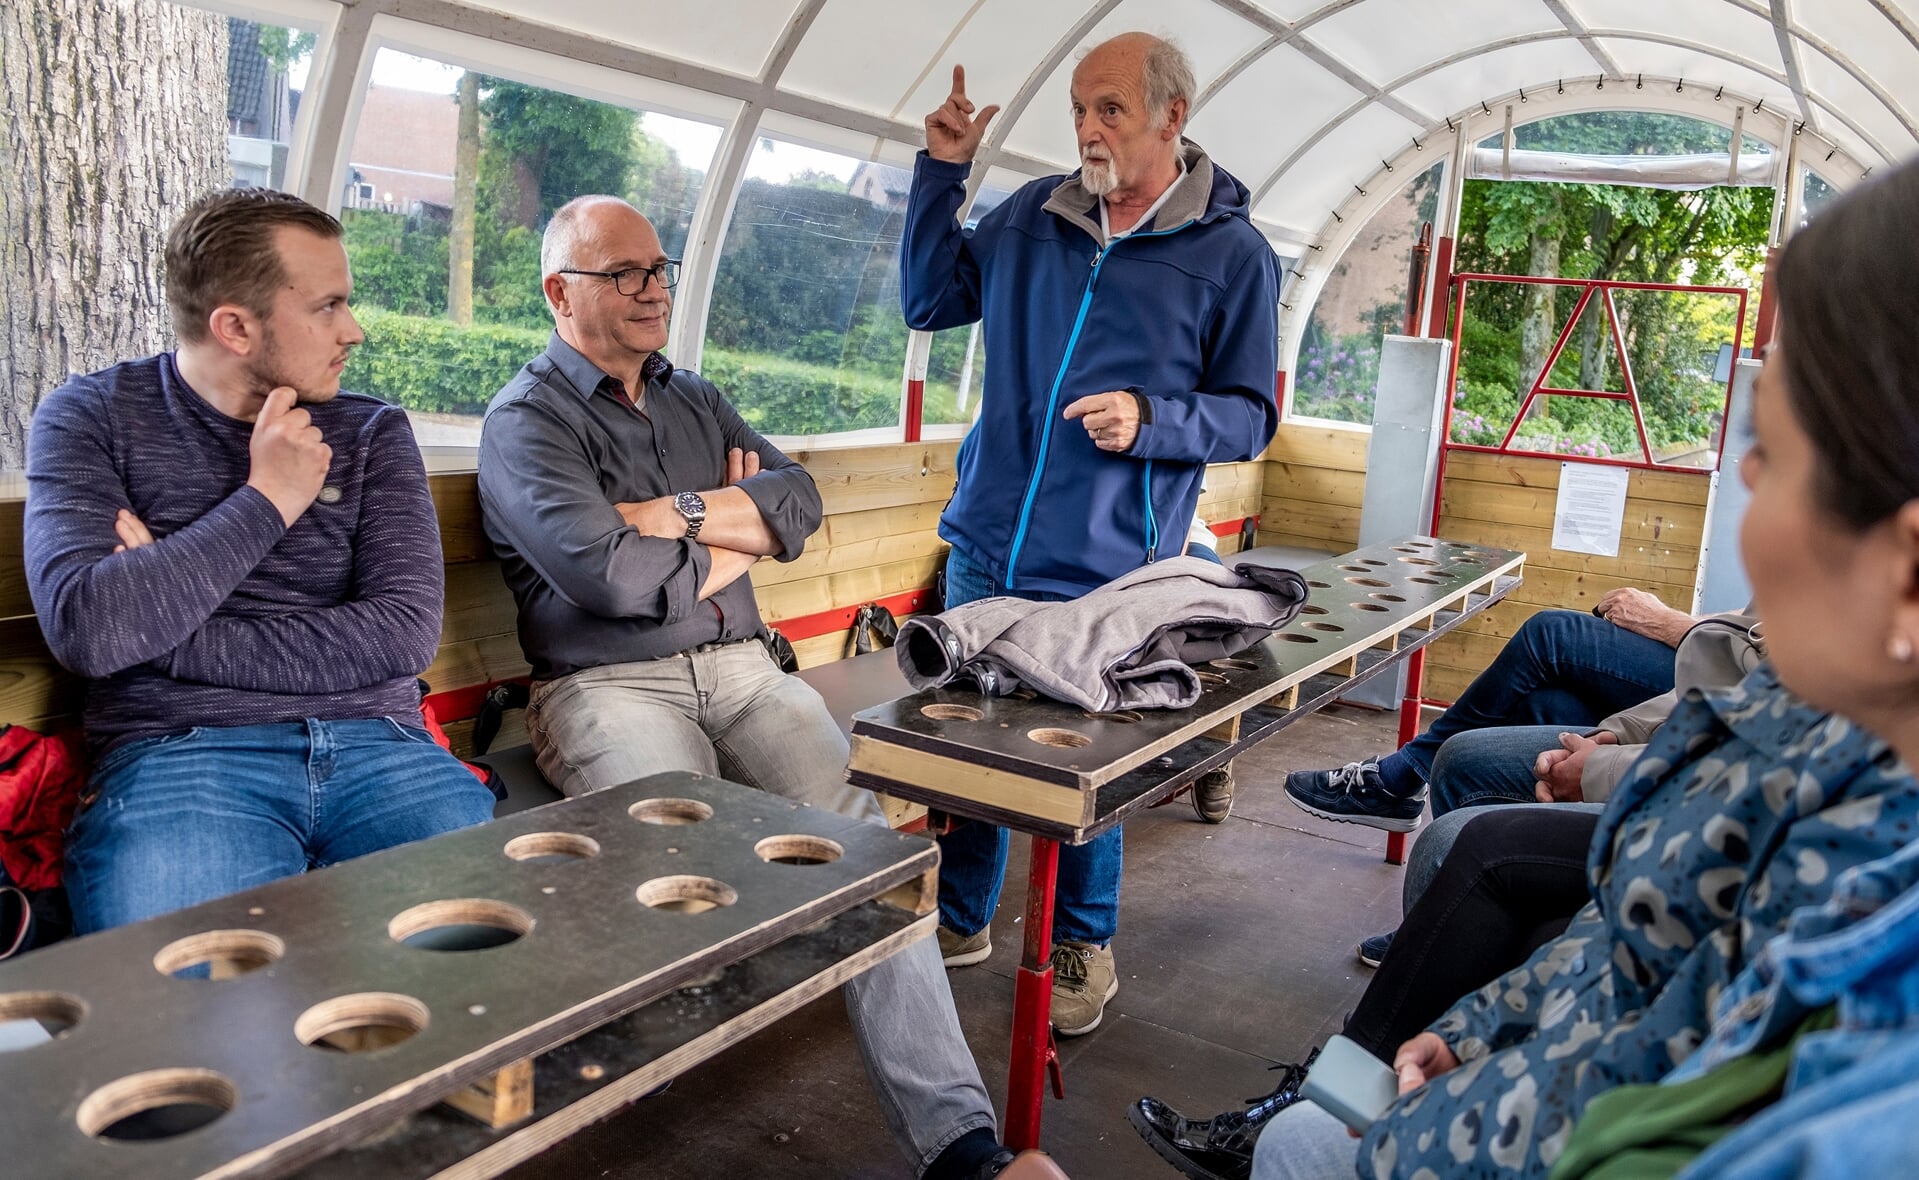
627 499
1131 311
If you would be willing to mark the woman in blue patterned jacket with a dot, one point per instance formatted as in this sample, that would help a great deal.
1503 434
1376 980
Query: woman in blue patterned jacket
1749 802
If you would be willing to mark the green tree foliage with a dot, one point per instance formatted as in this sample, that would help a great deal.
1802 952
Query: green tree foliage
1710 237
804 327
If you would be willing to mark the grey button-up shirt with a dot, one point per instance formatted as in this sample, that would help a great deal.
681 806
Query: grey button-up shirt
562 444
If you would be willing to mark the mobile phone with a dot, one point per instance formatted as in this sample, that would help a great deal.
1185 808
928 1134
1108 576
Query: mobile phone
1350 1084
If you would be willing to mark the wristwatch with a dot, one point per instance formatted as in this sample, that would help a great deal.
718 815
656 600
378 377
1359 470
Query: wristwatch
693 509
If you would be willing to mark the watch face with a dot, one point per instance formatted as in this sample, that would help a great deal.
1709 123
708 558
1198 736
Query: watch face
690 505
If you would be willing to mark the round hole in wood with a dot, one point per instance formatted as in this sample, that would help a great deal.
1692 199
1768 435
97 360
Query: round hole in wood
1372 561
54 1012
1064 739
1371 606
157 1104
552 847
1466 559
1418 561
1023 694
360 1022
670 811
951 712
1316 625
1320 585
1122 716
686 894
1312 610
1209 677
1235 664
1388 597
1296 637
1368 582
224 954
1404 549
460 924
798 850
1428 581
1356 569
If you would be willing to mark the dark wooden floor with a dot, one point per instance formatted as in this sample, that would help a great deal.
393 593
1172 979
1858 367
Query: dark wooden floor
1235 951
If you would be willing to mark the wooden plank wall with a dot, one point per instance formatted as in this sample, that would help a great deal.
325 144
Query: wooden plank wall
1508 501
1313 487
882 505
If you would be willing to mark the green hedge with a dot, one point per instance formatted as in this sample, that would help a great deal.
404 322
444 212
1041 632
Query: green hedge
431 364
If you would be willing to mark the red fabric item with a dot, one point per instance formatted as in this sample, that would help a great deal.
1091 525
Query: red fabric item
40 780
439 735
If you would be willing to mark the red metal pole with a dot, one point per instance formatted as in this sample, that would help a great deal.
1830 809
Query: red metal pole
1408 730
1033 1051
915 408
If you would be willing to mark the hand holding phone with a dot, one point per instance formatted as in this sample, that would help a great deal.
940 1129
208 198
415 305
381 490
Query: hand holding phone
1350 1084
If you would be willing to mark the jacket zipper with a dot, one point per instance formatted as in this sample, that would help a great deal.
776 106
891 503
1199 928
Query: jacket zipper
1152 521
1052 405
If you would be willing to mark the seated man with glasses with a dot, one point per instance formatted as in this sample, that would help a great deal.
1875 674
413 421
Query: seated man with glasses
627 500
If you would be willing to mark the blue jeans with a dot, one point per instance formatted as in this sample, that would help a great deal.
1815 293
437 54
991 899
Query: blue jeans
1563 668
1490 766
184 818
973 855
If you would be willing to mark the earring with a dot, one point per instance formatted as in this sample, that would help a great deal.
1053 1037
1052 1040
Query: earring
1900 649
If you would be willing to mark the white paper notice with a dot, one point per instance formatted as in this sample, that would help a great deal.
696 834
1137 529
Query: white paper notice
1591 508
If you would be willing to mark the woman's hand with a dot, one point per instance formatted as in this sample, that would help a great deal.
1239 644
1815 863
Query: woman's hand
1422 1059
1557 773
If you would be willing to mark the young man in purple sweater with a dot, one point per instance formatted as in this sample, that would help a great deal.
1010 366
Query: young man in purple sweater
244 563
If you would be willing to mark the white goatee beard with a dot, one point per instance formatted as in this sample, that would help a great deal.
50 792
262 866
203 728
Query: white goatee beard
1098 177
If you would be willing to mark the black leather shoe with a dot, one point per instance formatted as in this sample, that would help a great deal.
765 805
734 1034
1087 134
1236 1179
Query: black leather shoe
1219 1148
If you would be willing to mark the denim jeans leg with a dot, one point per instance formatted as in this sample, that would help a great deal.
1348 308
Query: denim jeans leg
774 732
1303 1142
386 784
606 726
1088 895
1605 666
1436 842
972 871
185 818
973 855
1490 766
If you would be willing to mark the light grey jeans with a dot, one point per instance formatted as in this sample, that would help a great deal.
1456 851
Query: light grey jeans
731 712
1303 1142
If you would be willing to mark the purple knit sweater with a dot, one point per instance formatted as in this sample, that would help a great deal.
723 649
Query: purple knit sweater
230 618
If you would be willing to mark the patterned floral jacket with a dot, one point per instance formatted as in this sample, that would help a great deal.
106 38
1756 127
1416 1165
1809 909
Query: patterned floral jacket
1744 808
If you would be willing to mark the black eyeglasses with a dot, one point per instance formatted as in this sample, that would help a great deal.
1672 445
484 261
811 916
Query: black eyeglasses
632 281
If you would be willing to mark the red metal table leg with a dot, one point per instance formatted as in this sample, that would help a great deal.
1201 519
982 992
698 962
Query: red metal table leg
1408 730
1033 1053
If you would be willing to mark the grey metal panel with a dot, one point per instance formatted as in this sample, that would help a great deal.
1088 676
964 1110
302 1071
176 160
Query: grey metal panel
1402 462
1723 586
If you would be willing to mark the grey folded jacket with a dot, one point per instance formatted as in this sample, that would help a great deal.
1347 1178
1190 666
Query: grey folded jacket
1127 645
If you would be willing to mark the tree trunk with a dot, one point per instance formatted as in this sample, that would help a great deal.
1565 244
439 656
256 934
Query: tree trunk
1592 353
116 121
466 180
1541 326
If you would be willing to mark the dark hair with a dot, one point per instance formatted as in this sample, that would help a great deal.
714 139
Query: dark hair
222 251
1849 325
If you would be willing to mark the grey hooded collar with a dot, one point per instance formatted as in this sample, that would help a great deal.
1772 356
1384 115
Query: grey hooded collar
1191 195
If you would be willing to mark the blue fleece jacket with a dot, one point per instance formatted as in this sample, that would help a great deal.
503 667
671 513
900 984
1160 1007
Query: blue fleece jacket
1184 311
